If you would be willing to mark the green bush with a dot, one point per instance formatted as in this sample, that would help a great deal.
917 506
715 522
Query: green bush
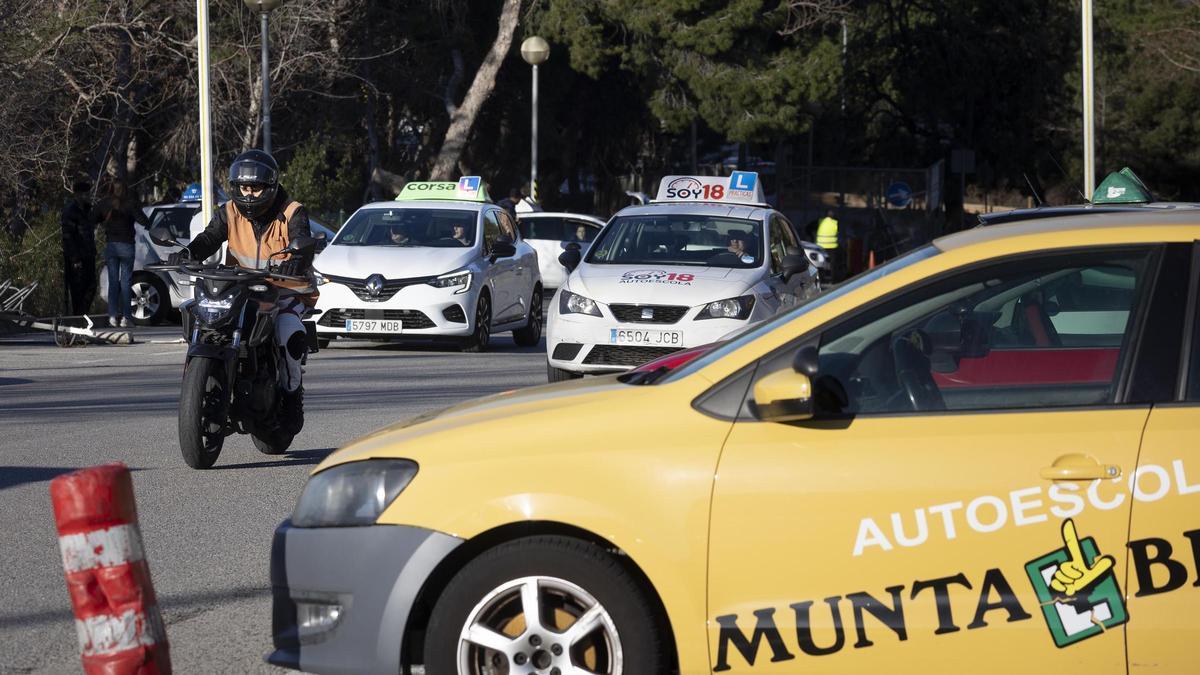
325 184
36 256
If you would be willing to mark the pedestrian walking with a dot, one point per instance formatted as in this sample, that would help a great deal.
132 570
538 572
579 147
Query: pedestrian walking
117 212
79 249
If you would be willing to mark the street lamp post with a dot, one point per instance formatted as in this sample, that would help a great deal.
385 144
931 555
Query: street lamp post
206 177
535 51
1089 131
264 7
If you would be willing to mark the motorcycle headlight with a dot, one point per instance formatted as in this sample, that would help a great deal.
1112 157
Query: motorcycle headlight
352 494
212 309
459 280
730 308
573 303
319 278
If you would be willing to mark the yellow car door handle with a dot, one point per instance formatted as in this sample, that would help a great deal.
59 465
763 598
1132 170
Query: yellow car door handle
1079 467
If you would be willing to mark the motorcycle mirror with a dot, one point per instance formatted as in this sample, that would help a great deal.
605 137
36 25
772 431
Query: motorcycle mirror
296 245
162 237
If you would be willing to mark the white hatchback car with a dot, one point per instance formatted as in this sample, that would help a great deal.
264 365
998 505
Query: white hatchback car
549 233
703 260
439 262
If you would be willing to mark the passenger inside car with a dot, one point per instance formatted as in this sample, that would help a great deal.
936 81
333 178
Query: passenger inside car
398 235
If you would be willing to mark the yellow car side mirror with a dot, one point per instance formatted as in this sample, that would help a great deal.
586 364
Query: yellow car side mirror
783 396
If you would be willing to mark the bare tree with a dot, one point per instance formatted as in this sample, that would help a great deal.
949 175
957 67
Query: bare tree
463 117
804 14
1179 43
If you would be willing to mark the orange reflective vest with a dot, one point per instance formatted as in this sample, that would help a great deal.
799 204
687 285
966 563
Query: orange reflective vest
249 251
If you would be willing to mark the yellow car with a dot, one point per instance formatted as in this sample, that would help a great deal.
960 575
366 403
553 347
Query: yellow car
983 456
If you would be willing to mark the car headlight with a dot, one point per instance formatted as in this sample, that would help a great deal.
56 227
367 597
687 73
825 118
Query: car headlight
321 279
352 494
573 303
460 280
730 308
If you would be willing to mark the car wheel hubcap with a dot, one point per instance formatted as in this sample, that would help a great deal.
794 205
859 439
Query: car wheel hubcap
483 320
537 314
546 623
145 300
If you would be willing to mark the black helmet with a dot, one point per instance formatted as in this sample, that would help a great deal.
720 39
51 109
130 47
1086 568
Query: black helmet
254 167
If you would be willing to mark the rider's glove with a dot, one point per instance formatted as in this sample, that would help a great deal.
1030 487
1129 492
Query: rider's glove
179 257
291 267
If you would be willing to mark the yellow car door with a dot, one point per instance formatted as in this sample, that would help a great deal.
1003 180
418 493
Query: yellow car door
1164 539
955 502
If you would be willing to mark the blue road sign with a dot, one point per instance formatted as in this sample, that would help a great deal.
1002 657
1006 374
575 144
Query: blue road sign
899 194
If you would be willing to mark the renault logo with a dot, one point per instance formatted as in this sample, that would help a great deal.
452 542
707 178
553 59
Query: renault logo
375 285
647 313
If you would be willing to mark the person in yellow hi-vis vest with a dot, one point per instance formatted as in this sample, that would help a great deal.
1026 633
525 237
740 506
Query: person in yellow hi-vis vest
827 238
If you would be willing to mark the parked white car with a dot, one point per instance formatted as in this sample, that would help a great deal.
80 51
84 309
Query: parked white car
704 259
549 233
439 262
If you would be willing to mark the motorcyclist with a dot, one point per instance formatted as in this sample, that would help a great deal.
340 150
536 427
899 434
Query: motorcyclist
258 221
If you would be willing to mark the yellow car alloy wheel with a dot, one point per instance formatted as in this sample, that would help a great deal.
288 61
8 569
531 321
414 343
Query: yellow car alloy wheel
542 604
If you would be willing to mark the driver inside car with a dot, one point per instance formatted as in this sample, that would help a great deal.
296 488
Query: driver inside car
261 219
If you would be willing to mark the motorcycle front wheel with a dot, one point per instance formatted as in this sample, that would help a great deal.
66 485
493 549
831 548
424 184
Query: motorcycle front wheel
203 411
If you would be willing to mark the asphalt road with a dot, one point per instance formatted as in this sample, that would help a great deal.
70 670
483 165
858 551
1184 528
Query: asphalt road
207 533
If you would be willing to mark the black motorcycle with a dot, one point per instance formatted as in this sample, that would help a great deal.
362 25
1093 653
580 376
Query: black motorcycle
230 378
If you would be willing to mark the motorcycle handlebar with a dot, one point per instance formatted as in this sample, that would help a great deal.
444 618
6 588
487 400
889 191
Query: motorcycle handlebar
223 272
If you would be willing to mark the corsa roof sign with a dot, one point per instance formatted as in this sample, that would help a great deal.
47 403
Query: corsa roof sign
468 188
740 187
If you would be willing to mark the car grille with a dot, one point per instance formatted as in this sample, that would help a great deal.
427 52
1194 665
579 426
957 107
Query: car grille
620 355
408 318
659 313
390 286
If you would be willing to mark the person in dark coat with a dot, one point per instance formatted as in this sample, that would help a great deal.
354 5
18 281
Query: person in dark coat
510 202
116 213
79 249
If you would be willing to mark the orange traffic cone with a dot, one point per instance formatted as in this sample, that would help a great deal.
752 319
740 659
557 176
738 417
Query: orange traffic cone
871 261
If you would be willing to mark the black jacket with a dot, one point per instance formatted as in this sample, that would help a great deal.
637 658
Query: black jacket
118 216
78 233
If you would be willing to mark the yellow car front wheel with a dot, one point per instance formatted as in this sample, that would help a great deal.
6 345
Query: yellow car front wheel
547 605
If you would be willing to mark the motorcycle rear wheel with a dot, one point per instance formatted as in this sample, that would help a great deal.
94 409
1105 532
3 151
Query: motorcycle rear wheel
203 411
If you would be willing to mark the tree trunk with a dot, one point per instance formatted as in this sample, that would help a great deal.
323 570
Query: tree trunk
254 122
481 88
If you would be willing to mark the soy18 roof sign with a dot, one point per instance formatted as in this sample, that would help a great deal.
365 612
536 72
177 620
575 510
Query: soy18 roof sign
740 187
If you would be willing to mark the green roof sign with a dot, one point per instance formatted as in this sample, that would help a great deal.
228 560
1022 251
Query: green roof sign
1122 187
468 188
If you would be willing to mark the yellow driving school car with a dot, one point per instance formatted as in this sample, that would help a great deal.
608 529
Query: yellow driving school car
983 456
